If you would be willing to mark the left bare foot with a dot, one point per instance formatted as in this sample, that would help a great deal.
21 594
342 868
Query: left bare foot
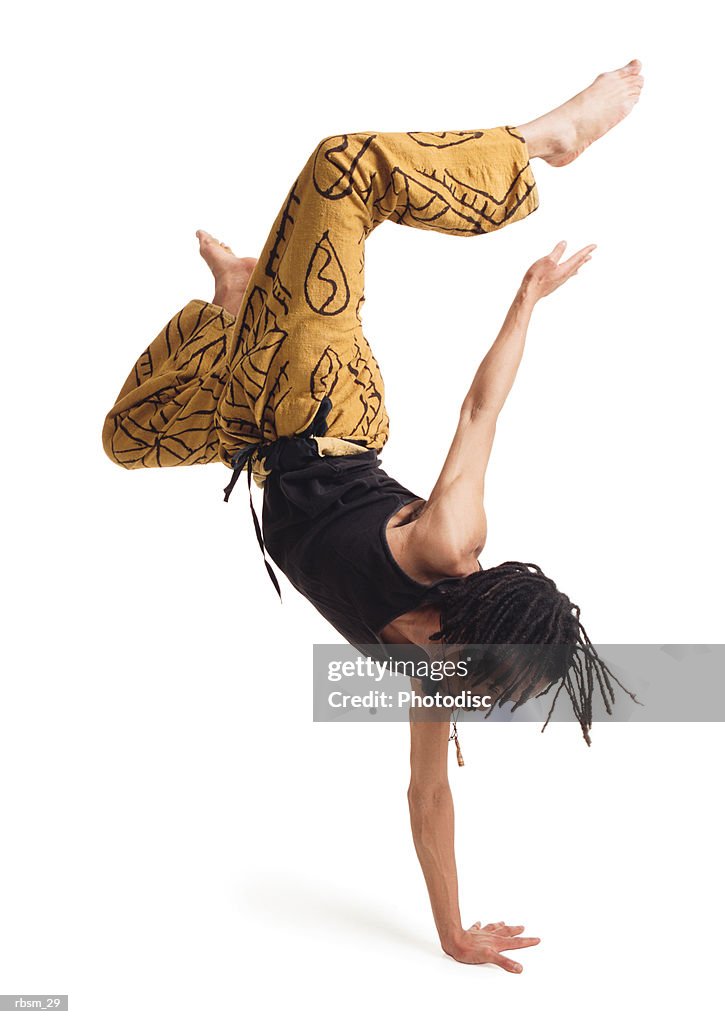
231 273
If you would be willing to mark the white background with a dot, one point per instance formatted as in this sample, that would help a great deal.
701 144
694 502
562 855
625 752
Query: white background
168 852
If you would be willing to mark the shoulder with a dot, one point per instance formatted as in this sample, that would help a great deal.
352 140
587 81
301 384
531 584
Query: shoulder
425 551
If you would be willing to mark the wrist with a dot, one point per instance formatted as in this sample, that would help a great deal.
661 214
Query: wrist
452 940
526 296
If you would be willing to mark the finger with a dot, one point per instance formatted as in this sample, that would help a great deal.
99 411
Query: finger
511 943
511 929
573 273
508 965
585 251
571 266
575 261
476 925
557 252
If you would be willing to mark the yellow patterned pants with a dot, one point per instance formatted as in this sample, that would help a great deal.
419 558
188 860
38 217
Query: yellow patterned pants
209 385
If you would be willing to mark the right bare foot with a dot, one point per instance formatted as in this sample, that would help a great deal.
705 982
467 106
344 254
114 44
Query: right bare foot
231 273
561 135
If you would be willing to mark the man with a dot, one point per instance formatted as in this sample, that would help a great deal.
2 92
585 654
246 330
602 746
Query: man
276 376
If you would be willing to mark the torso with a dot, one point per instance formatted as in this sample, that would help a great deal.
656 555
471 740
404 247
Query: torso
340 529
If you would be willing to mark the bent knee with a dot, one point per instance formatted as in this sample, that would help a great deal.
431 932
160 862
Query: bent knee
112 439
341 164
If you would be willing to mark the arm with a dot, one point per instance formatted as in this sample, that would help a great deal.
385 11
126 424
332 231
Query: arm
432 823
431 819
451 530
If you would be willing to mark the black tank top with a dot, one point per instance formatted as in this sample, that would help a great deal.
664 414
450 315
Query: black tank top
324 524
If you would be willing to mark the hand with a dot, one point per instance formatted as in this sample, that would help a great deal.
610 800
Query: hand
545 276
483 945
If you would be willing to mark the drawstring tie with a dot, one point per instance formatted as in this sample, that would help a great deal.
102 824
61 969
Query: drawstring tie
259 449
245 457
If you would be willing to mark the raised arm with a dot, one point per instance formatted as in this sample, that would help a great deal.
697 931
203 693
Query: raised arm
432 823
450 532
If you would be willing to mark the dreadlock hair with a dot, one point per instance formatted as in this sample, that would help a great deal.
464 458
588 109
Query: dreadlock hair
532 635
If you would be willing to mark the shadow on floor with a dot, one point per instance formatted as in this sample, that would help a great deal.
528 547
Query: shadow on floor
298 903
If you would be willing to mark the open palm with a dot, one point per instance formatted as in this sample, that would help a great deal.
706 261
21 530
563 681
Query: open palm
547 274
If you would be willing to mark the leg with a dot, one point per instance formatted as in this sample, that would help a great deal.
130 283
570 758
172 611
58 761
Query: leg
164 414
205 387
298 337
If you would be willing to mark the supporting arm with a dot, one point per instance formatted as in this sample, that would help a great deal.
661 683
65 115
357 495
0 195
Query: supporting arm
432 823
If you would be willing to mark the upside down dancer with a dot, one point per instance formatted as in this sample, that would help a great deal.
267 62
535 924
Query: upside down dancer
275 376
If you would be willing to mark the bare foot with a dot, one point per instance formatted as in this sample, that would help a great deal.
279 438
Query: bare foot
231 273
561 135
